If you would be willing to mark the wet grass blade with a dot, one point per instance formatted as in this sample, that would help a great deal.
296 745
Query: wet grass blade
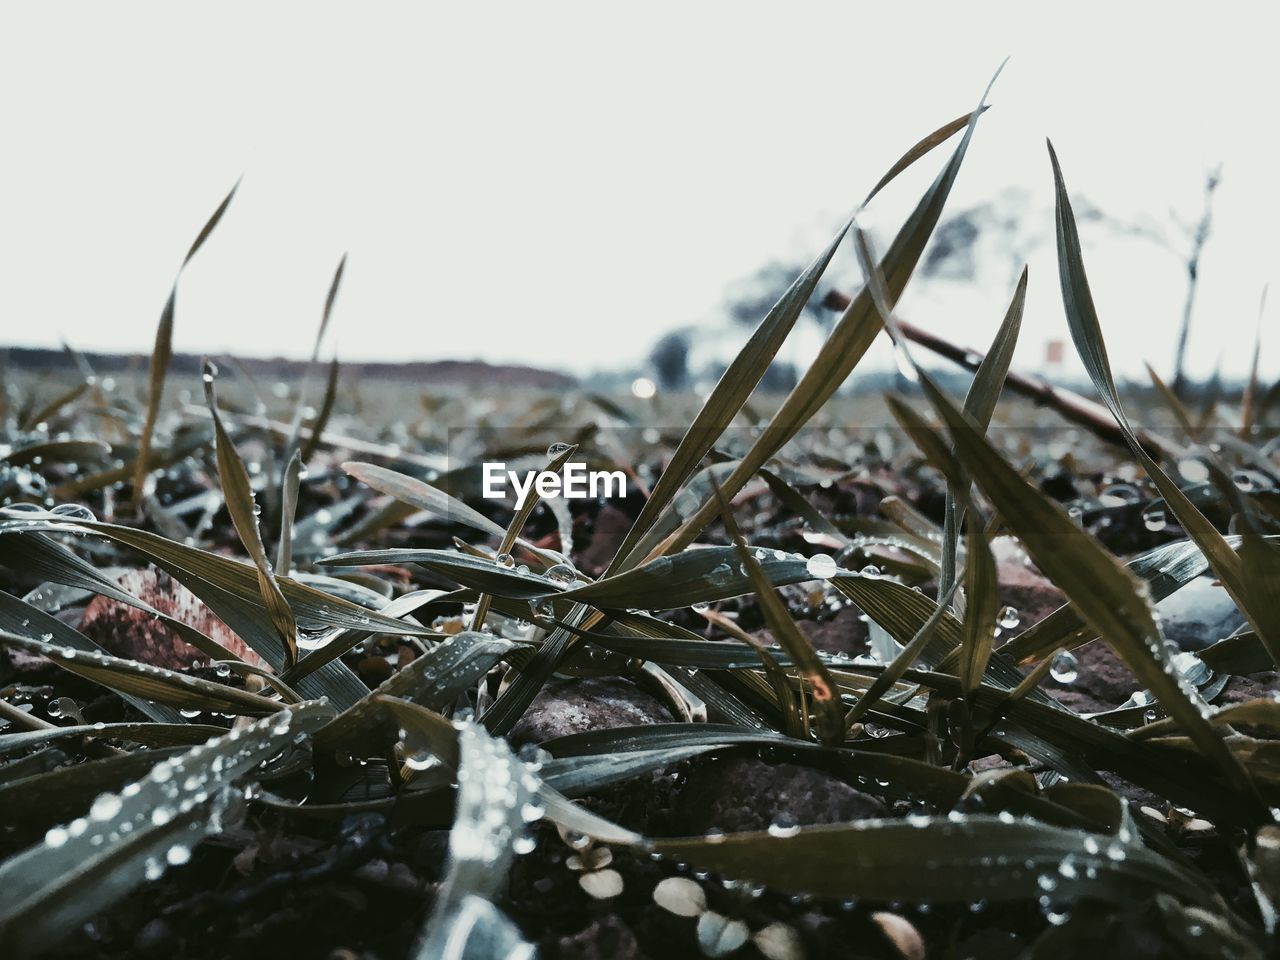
980 610
21 619
238 492
1086 332
749 366
853 335
145 681
421 496
53 887
317 427
512 534
1110 598
288 512
163 351
433 681
827 708
58 451
980 404
901 663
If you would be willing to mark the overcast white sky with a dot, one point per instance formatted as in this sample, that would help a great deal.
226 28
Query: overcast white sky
558 183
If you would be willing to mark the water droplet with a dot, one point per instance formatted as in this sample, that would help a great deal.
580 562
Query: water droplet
73 511
177 855
783 826
562 573
505 560
1008 618
822 567
106 806
1193 471
55 837
210 372
557 448
1064 668
1155 519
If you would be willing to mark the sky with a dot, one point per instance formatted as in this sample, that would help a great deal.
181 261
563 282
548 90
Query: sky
560 183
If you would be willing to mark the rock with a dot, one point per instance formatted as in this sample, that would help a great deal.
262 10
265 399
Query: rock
1249 686
737 793
602 884
720 936
610 527
607 938
1102 681
134 634
681 896
778 941
581 704
899 931
1022 585
844 633
1198 615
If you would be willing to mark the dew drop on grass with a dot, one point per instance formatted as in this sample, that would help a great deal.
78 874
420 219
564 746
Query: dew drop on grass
556 449
1193 471
1065 668
105 807
783 827
210 372
73 511
701 607
1008 618
562 573
505 560
177 855
821 567
1155 519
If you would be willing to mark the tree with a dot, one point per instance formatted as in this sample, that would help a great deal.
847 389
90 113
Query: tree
670 360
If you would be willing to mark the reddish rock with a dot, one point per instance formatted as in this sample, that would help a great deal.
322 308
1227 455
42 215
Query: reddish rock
1022 585
134 634
595 703
1103 681
607 938
739 793
610 528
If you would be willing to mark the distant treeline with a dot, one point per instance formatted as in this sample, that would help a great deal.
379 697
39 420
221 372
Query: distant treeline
445 372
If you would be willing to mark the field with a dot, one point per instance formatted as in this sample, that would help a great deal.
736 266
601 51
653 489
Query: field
932 674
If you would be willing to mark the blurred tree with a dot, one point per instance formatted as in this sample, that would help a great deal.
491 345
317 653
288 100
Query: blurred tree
670 360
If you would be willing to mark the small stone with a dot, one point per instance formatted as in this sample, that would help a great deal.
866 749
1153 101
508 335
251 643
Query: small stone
719 936
681 896
595 858
901 934
134 634
602 884
737 794
778 941
578 705
1199 614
